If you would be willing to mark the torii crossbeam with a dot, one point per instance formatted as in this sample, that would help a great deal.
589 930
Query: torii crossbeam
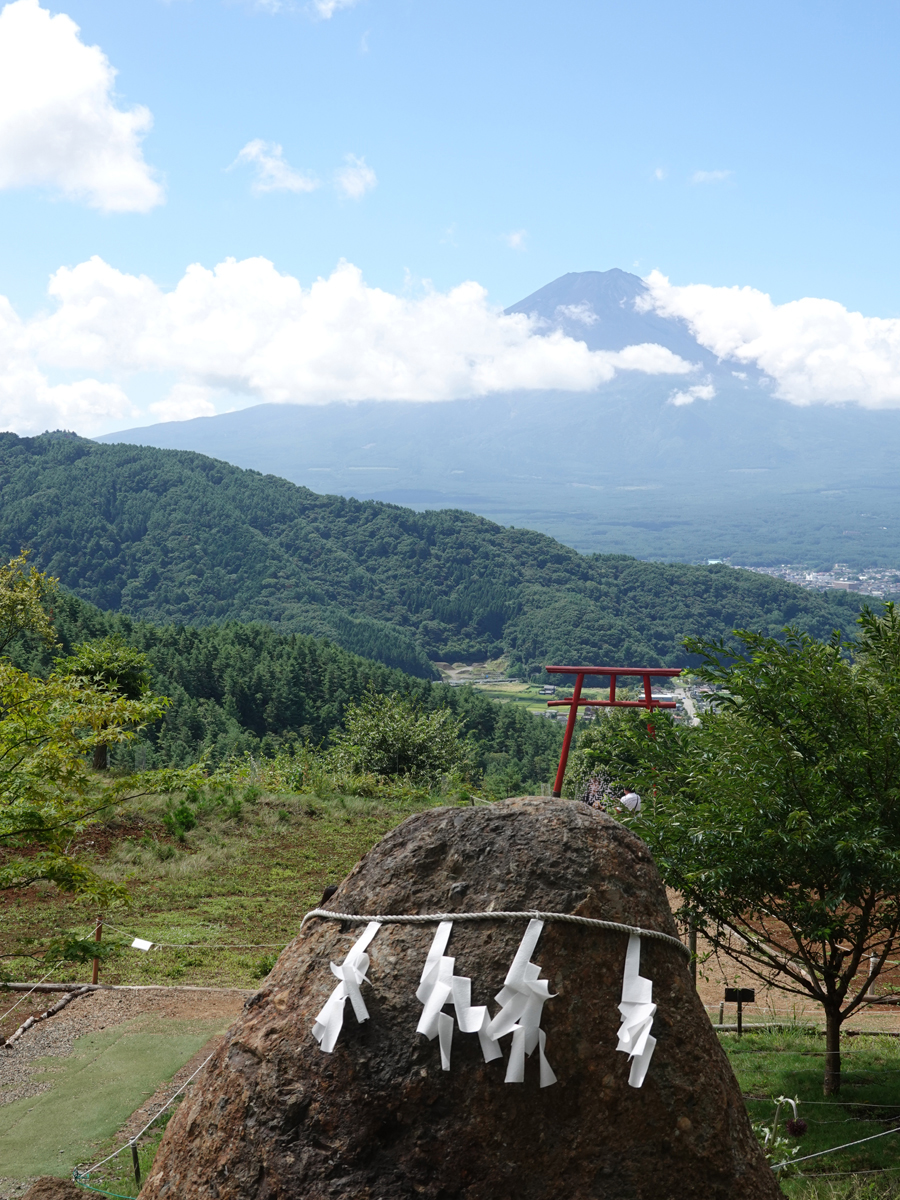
575 701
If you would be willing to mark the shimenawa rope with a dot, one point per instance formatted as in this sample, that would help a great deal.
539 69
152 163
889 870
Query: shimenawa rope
532 915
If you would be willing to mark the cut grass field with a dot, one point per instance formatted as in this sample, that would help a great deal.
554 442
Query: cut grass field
242 878
94 1090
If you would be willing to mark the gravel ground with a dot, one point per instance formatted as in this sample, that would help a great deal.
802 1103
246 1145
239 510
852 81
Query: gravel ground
54 1038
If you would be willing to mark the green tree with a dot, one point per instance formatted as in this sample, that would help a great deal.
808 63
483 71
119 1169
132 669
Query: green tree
778 818
391 735
25 597
614 736
48 793
50 728
112 666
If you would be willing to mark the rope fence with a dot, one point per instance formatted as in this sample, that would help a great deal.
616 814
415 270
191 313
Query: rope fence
52 971
83 1177
790 1162
200 945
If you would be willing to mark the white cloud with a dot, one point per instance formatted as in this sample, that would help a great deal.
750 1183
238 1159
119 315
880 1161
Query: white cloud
816 351
185 401
712 176
248 329
59 125
659 173
29 403
356 178
273 172
583 313
516 239
703 391
327 8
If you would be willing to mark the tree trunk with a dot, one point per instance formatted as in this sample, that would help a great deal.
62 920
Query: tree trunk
100 758
832 1084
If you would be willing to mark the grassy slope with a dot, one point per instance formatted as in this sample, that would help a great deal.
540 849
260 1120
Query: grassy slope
232 880
791 1063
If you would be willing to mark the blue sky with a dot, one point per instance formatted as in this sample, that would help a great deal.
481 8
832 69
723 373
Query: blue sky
505 143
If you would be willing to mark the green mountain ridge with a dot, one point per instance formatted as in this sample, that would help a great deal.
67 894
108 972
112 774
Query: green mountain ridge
174 536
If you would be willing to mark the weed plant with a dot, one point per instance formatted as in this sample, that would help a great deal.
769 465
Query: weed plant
788 1062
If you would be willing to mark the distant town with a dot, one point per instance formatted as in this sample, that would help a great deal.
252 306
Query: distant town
872 581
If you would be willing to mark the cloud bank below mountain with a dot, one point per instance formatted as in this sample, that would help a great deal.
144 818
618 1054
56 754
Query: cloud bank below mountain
243 333
245 328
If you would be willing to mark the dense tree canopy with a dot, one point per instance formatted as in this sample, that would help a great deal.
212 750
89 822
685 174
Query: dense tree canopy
394 736
50 724
234 688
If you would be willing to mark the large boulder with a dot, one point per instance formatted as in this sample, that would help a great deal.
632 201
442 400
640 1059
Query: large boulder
275 1117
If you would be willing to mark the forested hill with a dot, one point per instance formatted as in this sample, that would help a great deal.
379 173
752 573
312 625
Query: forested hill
173 536
236 688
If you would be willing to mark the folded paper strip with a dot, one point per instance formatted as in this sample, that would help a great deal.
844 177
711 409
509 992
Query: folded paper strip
439 986
637 1009
522 999
351 973
141 944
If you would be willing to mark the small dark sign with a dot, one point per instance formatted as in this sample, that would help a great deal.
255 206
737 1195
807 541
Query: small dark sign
740 995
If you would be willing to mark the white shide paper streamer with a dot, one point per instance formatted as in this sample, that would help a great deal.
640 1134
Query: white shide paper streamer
637 1009
141 944
351 973
522 999
437 987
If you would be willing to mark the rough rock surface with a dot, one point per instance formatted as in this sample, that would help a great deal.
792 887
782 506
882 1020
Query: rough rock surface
275 1117
48 1187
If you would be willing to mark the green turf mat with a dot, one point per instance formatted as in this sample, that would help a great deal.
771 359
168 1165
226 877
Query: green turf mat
109 1074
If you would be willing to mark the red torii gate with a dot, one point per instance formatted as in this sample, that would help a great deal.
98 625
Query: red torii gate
647 673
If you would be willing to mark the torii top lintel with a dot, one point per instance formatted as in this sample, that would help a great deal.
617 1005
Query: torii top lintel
575 701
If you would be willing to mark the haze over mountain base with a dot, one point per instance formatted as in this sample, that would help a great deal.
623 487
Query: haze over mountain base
713 465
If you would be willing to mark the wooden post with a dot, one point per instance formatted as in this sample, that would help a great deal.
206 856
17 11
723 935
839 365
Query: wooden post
97 935
136 1164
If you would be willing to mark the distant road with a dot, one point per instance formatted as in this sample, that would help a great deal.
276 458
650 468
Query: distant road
689 706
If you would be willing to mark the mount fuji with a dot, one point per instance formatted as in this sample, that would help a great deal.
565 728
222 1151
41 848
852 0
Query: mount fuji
643 465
